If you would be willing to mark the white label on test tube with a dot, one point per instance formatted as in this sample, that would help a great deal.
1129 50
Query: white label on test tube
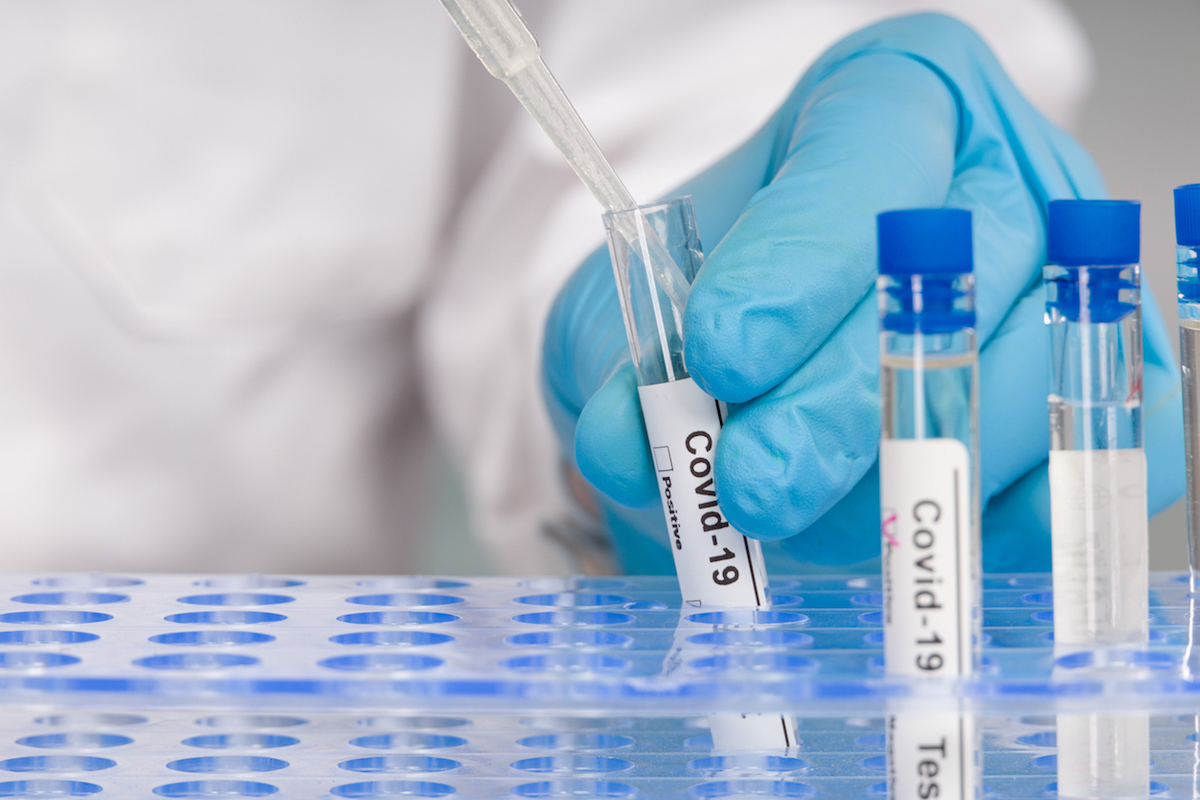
717 565
925 489
1100 540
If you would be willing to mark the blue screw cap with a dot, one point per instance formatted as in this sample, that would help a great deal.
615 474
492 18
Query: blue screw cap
1187 215
925 241
1085 233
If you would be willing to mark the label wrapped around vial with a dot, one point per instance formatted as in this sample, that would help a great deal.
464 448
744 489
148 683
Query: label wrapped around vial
925 490
717 565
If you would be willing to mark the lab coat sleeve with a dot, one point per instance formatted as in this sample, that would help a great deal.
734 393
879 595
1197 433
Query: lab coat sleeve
215 223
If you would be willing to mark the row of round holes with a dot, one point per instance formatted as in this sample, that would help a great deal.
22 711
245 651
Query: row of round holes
541 789
717 763
406 599
575 764
109 720
403 599
387 662
575 663
744 618
419 582
425 741
422 582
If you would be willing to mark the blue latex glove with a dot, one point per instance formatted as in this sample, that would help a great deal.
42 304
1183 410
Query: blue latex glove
781 323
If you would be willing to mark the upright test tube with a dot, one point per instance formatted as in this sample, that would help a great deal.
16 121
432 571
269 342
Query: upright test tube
1097 465
1097 480
1187 283
929 489
717 565
1187 277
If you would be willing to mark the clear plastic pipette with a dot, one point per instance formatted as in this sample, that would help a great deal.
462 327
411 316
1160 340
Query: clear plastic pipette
506 46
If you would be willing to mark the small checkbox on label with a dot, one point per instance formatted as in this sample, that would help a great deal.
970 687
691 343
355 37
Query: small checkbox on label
662 459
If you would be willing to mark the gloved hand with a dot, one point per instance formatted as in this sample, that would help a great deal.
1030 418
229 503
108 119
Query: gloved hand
781 322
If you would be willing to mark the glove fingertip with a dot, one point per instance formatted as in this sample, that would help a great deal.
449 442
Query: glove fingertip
610 444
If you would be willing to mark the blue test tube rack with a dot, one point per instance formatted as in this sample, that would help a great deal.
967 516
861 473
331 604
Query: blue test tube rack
345 686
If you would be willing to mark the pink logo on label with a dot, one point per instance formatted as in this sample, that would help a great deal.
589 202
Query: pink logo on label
886 529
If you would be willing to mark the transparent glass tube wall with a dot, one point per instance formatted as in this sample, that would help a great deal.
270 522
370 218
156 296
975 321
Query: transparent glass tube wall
716 565
1187 277
929 377
1187 261
653 323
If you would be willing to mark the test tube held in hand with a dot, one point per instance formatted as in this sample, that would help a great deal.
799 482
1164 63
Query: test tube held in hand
717 565
653 280
929 495
1098 509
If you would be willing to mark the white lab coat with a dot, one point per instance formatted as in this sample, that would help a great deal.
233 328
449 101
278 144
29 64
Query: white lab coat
257 258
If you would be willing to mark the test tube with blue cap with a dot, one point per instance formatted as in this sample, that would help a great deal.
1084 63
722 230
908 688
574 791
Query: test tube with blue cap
1098 508
1097 464
929 489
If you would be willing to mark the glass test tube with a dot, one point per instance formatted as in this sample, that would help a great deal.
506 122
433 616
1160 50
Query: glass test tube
716 564
1097 465
1187 276
1187 282
929 490
1097 479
